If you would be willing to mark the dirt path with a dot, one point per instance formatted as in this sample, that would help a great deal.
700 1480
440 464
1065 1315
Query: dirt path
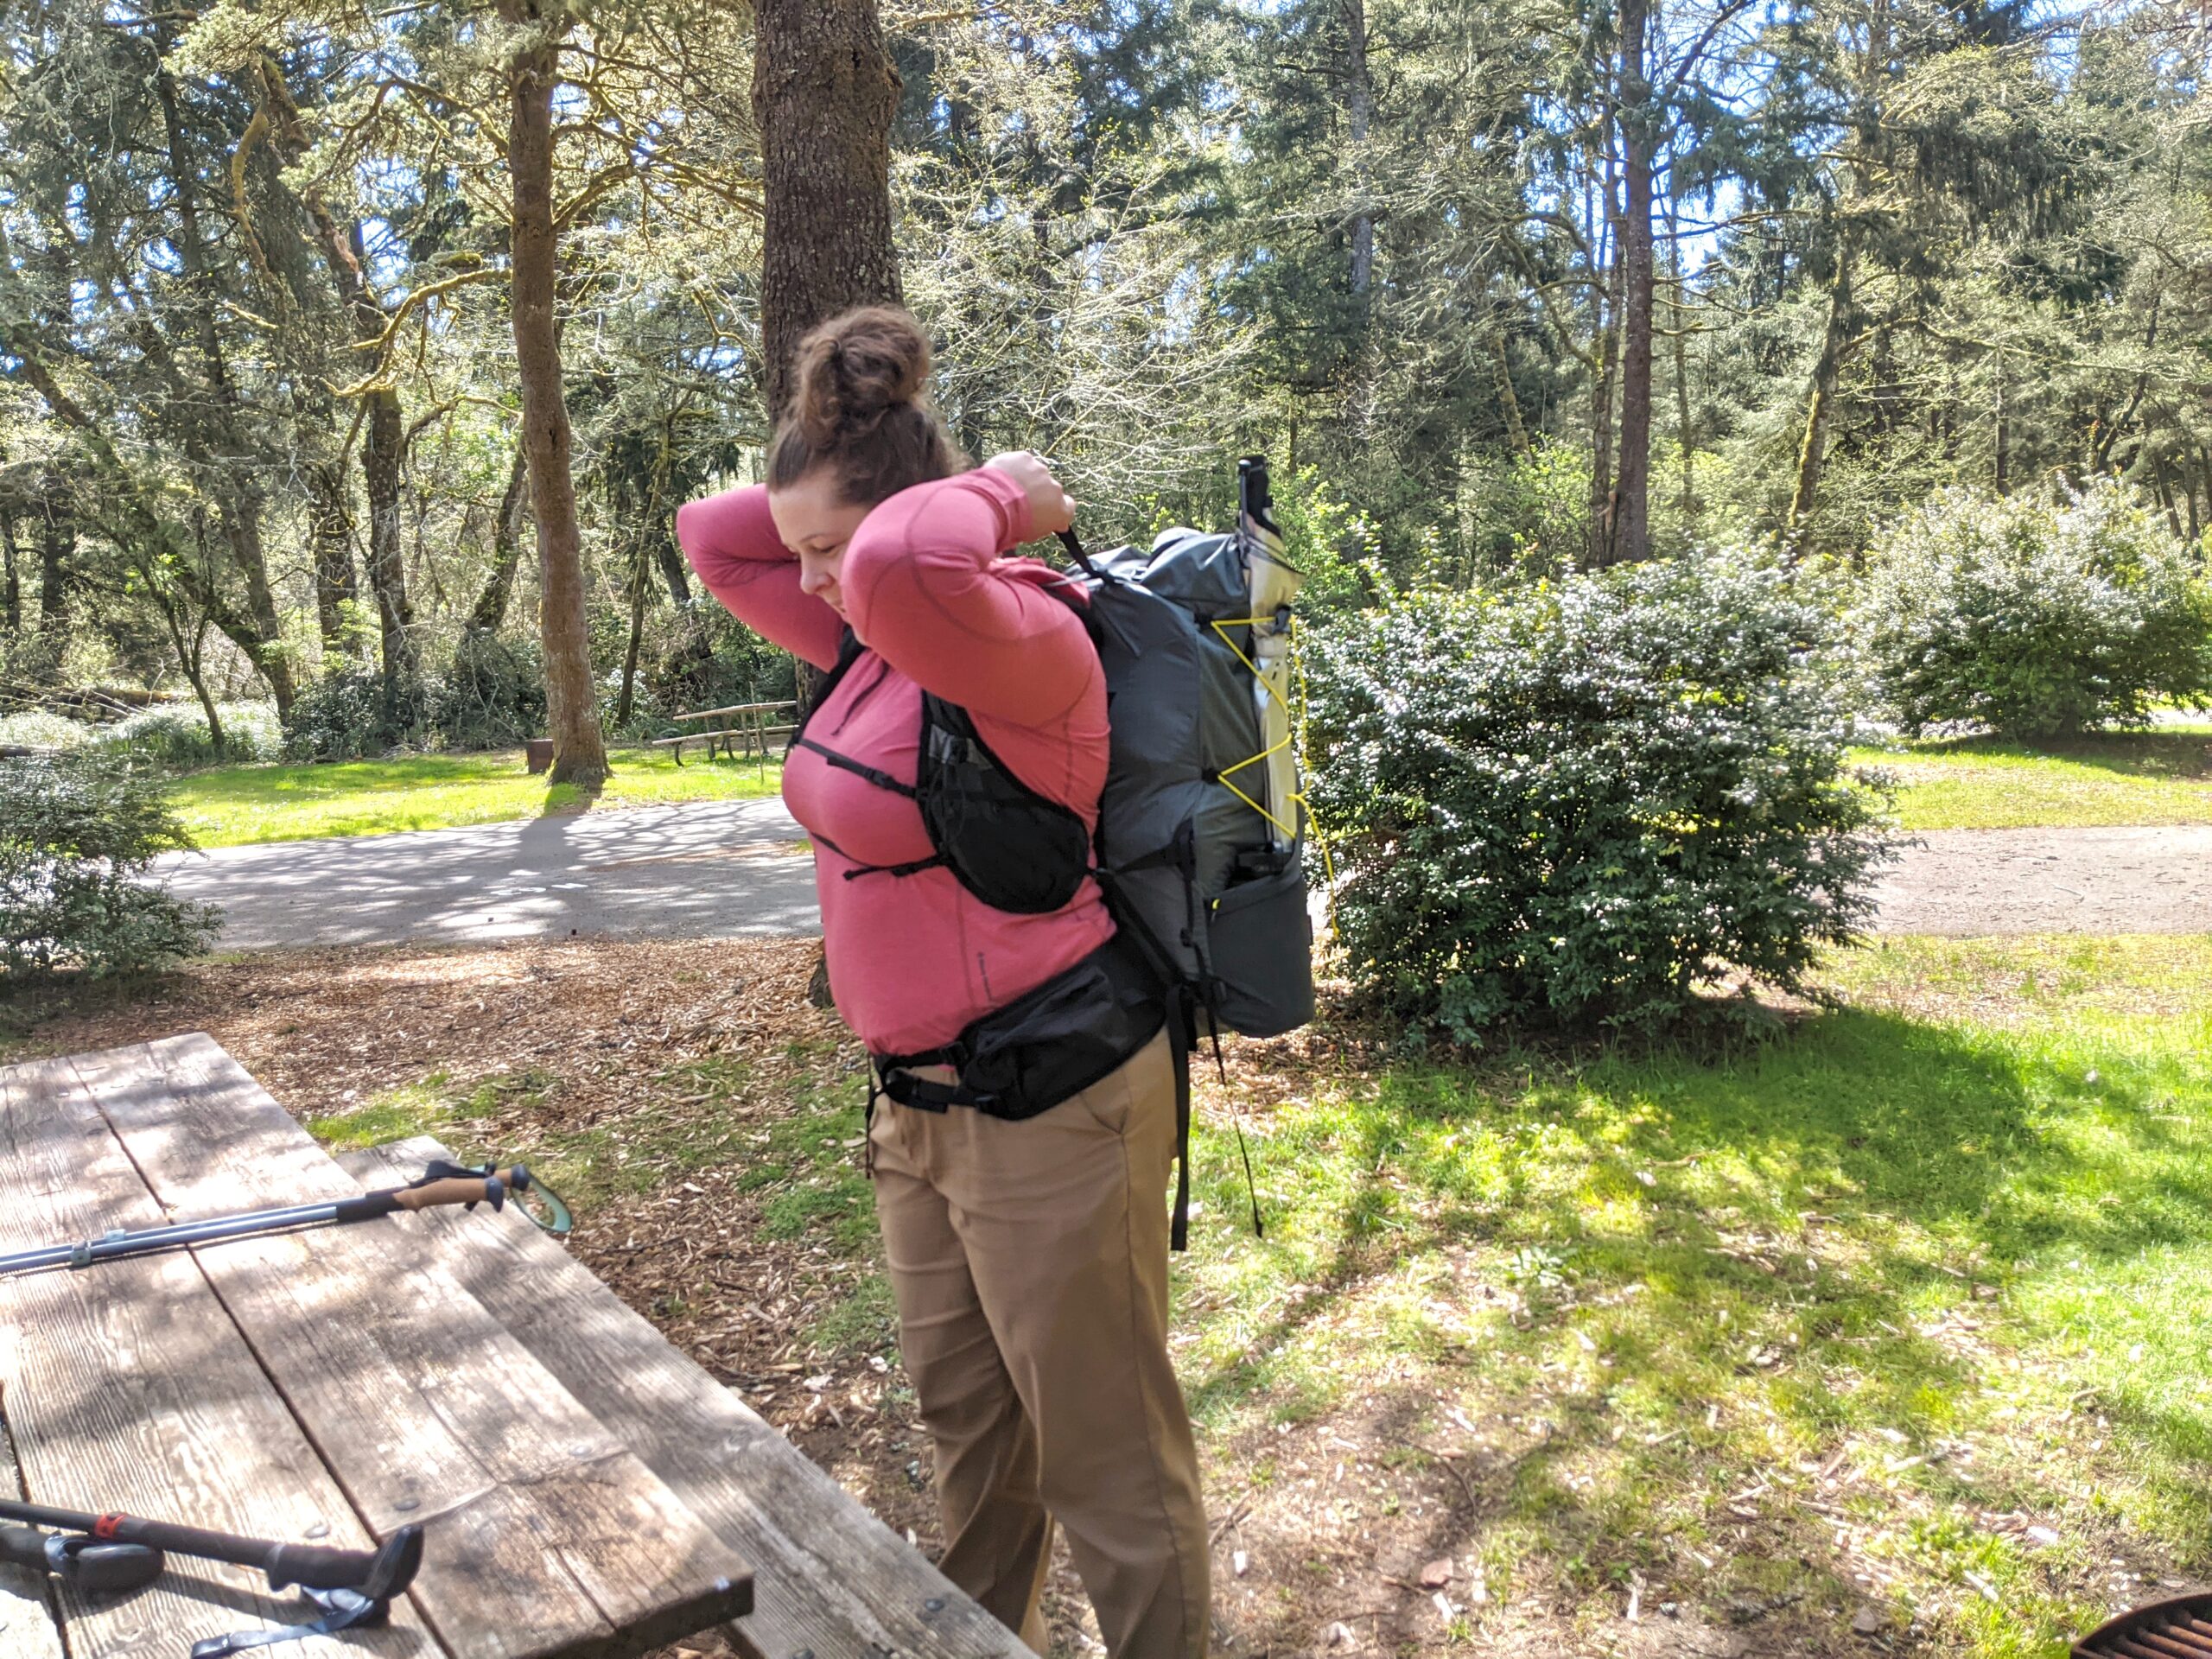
1971 882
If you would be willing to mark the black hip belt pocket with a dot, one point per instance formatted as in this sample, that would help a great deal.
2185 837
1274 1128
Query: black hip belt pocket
1043 1048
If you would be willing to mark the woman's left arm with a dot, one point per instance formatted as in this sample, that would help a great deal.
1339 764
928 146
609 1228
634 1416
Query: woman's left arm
925 589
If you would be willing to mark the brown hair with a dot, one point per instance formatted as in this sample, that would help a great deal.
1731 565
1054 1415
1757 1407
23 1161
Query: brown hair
860 403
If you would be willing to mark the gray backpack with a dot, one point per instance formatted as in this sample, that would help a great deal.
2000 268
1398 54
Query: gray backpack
1202 828
1199 848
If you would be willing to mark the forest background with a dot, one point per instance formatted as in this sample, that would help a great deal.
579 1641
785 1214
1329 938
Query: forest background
1501 289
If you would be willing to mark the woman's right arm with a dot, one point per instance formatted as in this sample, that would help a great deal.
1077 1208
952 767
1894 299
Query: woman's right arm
732 543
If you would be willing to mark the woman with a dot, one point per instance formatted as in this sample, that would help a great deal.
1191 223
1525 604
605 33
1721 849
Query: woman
1023 1125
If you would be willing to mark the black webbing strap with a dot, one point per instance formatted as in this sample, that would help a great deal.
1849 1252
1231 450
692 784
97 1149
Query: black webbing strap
924 1096
859 769
1074 545
936 861
342 1610
1179 1050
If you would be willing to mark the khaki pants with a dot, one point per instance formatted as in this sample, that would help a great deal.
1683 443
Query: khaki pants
1030 1263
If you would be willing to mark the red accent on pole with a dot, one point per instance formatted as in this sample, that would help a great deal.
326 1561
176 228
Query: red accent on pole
108 1525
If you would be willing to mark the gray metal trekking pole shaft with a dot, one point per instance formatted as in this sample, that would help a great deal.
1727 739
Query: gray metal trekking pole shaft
441 1184
114 1245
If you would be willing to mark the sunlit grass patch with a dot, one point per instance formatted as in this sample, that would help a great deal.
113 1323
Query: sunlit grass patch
1908 1307
2159 777
437 1106
229 806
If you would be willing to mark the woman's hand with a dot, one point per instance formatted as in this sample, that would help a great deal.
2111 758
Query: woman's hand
1052 509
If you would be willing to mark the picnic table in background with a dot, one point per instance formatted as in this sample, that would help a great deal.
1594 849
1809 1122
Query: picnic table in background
755 725
584 1489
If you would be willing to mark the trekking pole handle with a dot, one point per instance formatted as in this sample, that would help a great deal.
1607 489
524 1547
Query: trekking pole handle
446 1184
80 1562
428 1194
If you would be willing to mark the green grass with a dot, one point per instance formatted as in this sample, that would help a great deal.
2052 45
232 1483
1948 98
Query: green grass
1963 1257
2157 777
228 806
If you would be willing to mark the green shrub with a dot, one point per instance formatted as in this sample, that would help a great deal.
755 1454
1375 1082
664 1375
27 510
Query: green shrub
1572 804
77 832
172 735
176 735
39 729
2035 617
346 715
492 696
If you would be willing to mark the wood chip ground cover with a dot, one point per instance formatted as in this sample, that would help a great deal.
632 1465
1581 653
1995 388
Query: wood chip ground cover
1886 1337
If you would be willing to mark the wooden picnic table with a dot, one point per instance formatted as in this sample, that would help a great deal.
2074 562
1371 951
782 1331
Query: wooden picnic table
752 729
584 1489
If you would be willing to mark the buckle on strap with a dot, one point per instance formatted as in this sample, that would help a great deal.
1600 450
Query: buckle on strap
896 1080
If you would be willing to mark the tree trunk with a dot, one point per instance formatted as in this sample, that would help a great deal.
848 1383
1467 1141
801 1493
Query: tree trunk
382 456
1365 377
1828 371
1685 439
240 510
226 472
1508 404
640 580
579 745
192 659
2164 487
1608 306
489 614
1632 530
57 541
673 570
330 532
823 93
11 583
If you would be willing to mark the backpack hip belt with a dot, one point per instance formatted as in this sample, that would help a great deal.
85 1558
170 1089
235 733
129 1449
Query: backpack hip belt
1073 1030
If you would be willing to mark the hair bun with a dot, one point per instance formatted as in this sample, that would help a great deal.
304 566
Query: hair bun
853 370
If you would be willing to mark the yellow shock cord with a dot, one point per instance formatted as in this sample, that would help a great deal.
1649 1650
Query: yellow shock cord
1297 717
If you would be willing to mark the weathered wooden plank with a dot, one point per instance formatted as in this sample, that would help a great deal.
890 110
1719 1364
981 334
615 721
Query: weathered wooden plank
545 1536
27 1627
831 1580
127 1387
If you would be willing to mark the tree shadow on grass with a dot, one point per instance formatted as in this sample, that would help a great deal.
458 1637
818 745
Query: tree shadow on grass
1848 1244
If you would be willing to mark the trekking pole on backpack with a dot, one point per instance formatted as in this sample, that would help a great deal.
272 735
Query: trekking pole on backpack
440 1183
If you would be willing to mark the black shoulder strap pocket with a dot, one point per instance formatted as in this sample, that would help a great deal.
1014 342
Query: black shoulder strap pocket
1009 846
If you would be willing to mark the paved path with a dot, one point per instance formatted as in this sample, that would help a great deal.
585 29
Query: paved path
725 869
1969 882
710 870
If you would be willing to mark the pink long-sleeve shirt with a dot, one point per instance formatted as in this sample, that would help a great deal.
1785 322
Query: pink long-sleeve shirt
914 959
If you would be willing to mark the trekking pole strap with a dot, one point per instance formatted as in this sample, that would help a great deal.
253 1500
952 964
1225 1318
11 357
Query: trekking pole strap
342 1610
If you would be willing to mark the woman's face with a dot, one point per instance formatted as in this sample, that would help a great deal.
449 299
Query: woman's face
816 523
